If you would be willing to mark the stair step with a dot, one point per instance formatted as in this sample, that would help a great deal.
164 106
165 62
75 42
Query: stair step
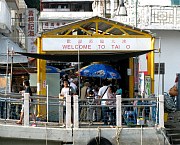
173 134
172 131
175 137
176 141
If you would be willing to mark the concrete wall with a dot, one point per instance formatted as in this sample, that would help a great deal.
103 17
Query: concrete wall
20 135
15 141
170 41
127 136
170 53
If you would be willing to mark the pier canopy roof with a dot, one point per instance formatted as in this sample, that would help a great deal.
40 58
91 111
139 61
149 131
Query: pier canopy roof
93 39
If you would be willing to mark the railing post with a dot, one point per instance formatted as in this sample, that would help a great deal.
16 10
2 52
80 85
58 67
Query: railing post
68 111
61 109
118 111
8 107
161 111
26 109
76 111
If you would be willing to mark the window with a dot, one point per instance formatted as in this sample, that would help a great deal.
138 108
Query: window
63 6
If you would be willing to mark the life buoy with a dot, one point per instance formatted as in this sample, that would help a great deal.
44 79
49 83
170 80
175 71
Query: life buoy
99 141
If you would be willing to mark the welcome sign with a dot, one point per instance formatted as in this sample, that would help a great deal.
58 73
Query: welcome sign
95 44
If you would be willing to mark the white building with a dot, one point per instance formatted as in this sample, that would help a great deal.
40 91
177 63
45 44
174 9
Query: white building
10 31
55 13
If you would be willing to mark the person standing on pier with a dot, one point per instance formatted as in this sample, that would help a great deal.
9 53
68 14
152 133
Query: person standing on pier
26 84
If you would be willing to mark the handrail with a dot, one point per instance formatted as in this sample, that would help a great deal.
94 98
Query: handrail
162 132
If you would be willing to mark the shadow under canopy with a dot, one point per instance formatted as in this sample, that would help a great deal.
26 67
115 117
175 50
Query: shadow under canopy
87 57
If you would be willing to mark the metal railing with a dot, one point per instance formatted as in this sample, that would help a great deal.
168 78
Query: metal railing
85 113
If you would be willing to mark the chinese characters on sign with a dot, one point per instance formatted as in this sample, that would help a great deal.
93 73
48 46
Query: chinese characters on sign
100 45
31 16
31 29
96 44
147 85
53 25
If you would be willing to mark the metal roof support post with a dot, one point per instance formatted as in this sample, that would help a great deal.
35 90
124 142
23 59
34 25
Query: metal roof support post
131 78
150 65
41 79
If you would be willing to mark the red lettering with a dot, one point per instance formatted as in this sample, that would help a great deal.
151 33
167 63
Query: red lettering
84 47
116 46
80 41
31 13
124 41
91 41
30 19
101 41
101 46
30 26
31 33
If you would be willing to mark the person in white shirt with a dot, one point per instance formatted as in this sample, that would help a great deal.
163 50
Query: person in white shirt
103 95
66 90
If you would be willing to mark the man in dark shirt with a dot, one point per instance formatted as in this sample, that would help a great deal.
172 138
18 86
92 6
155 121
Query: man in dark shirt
32 107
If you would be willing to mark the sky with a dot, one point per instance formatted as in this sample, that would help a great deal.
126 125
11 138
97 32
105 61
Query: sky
155 2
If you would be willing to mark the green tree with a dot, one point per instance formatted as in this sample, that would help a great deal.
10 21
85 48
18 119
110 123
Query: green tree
33 4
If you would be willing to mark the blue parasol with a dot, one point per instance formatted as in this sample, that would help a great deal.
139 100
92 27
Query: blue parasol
52 69
103 71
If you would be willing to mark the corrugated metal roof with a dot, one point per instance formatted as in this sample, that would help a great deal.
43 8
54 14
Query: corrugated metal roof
104 24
